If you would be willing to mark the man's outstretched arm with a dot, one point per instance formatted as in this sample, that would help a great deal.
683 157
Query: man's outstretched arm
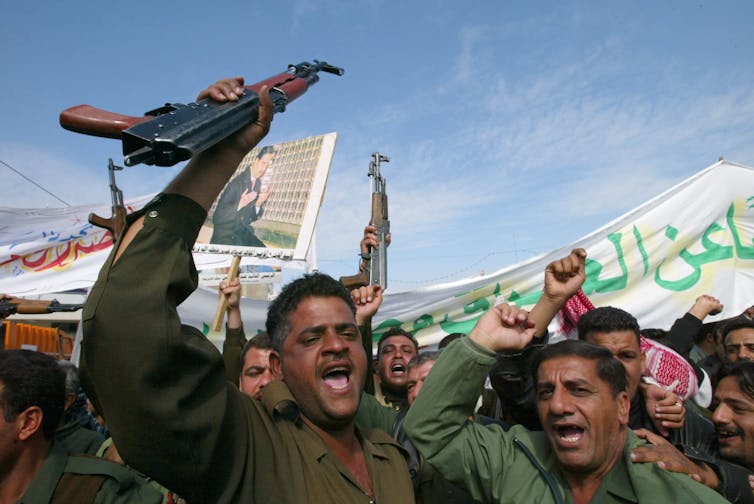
161 386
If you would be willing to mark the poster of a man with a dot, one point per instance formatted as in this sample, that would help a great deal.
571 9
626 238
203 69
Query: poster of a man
269 207
242 202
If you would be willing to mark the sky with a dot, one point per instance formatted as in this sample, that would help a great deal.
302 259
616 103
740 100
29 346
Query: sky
513 128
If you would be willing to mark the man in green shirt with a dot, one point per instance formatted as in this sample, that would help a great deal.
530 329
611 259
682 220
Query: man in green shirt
33 469
162 386
584 453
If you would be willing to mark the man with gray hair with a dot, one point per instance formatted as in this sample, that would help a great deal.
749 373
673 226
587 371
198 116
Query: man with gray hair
73 433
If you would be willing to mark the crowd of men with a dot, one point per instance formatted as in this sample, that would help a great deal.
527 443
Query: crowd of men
301 413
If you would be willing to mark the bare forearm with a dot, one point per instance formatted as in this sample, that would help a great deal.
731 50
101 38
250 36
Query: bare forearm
234 318
543 313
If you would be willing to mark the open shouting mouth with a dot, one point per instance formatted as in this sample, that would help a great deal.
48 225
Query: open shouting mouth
568 435
398 368
337 376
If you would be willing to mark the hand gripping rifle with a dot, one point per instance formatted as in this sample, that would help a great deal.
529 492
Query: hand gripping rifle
176 132
375 270
117 221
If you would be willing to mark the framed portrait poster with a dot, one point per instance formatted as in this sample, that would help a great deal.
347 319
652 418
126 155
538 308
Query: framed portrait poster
269 207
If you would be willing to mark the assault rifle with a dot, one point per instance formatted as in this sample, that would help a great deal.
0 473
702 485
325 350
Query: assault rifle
117 221
374 262
10 305
176 132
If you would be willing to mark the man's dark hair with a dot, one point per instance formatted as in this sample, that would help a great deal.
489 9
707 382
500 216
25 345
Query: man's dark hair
743 372
609 369
607 319
29 379
740 322
655 334
267 149
313 285
421 358
261 341
396 331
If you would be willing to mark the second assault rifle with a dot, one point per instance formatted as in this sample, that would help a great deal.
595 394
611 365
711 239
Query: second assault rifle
117 221
176 132
12 305
374 262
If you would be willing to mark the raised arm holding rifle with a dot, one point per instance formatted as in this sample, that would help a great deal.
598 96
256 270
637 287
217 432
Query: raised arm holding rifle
176 132
162 387
373 265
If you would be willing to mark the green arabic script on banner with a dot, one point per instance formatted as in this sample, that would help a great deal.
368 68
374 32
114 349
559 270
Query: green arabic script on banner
462 319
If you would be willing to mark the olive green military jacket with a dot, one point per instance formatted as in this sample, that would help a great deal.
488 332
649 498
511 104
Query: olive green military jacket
77 439
517 465
173 415
68 479
235 339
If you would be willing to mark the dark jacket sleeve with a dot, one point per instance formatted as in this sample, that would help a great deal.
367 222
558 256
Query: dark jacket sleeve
513 382
161 386
682 334
734 479
681 338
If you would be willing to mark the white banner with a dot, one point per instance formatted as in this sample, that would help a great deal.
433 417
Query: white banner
45 250
654 261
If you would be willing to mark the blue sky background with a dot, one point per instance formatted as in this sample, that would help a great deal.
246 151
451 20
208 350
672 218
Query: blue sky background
514 127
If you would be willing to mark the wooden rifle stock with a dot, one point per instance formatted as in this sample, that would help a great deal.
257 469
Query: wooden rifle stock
361 279
176 132
93 121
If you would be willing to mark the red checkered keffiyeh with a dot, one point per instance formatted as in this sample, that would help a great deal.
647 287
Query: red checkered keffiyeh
669 369
569 315
665 366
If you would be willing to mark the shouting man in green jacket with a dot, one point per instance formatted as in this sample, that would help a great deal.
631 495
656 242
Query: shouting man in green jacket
162 386
584 453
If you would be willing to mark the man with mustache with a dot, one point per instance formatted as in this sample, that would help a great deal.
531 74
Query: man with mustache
395 349
734 414
729 469
584 452
161 384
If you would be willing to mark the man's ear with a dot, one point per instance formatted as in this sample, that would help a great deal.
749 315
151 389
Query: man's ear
624 407
28 422
276 365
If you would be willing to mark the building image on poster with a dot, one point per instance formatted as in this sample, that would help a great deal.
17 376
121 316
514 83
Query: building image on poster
270 205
